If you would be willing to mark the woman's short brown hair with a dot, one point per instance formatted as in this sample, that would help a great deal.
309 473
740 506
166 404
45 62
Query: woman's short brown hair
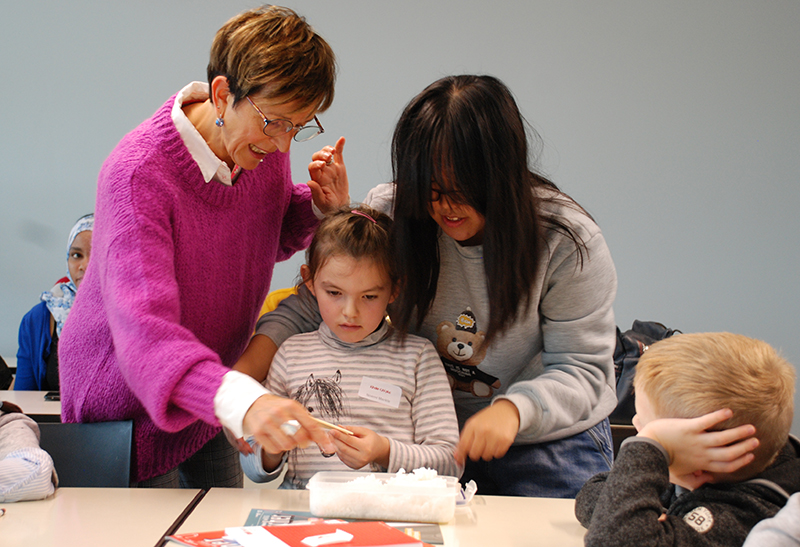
273 52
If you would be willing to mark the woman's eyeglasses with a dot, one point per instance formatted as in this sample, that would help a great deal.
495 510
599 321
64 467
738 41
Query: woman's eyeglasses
453 196
279 127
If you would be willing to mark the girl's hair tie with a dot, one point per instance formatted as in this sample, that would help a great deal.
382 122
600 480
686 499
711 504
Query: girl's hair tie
363 214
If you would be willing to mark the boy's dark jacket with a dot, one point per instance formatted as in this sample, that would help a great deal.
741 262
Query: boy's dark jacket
622 507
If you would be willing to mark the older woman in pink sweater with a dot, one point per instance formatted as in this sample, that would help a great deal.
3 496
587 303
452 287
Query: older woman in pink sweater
194 207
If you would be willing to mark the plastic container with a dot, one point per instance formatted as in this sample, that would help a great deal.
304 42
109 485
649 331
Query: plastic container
372 496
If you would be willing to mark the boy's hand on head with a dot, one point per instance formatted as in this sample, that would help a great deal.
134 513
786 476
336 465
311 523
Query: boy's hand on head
365 447
694 452
329 185
489 433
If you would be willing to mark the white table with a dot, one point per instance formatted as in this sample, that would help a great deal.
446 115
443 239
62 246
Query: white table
33 404
84 517
488 521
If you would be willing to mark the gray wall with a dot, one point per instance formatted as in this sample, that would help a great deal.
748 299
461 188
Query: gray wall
676 124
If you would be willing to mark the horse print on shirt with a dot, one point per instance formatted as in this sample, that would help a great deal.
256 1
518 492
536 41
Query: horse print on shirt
322 398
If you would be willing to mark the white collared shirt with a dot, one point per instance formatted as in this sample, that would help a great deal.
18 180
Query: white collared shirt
210 165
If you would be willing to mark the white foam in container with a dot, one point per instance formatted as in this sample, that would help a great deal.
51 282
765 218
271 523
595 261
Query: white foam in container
412 497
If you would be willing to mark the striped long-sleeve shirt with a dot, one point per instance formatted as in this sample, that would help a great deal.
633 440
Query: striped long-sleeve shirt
26 471
397 389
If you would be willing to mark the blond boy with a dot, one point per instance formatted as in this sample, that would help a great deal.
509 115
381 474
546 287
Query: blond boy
694 474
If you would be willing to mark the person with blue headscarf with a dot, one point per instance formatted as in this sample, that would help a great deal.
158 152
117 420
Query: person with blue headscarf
37 356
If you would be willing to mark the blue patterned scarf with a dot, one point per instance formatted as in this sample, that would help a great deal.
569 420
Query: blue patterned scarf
59 299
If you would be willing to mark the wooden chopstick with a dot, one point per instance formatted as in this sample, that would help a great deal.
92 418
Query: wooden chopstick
328 425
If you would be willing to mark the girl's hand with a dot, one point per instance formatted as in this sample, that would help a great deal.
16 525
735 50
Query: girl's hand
695 453
329 186
239 444
489 433
270 462
365 447
9 407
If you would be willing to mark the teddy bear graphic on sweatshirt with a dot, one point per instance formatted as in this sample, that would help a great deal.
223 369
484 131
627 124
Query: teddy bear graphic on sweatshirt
461 348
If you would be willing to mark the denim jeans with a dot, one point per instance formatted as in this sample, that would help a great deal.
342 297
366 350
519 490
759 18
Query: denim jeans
555 469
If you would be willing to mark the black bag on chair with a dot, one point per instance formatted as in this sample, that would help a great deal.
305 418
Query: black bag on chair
631 345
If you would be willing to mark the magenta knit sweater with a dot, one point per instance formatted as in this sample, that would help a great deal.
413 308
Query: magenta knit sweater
179 271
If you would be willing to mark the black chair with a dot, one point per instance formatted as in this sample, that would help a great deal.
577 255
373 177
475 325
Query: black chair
620 432
96 454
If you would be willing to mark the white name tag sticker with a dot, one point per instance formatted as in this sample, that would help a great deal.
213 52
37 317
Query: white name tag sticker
380 392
